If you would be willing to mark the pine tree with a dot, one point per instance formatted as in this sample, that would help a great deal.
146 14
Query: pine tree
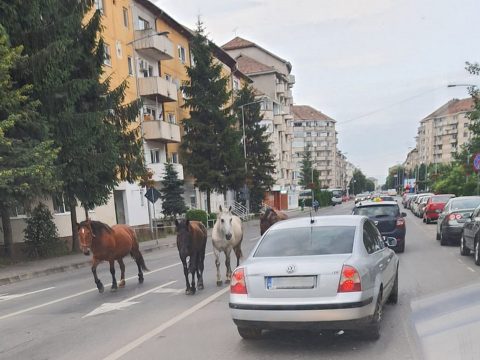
259 157
211 149
306 178
88 122
26 157
171 192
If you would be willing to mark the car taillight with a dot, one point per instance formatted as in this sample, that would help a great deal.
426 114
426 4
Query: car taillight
455 216
350 280
237 285
400 222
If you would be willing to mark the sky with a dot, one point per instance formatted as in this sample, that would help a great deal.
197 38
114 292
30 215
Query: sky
376 66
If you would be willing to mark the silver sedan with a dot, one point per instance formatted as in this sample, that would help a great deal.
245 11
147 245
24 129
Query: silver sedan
328 272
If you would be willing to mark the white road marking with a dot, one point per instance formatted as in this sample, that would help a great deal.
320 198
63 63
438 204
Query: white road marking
169 291
459 260
469 268
5 297
152 333
107 307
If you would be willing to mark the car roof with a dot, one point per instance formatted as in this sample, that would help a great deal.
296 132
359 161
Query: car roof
464 197
376 203
331 220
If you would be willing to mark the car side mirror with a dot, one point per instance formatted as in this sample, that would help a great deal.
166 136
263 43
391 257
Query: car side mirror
403 214
389 241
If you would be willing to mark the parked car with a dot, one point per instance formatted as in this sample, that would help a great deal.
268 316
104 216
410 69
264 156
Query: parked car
416 202
410 201
470 241
453 217
331 272
435 206
387 217
421 205
361 197
405 199
392 192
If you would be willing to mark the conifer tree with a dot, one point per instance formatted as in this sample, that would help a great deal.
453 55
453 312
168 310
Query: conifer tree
171 192
211 150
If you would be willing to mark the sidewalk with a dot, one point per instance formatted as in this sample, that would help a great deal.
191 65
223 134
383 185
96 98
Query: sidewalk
37 268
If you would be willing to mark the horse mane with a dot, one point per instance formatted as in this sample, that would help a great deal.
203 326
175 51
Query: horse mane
97 226
267 212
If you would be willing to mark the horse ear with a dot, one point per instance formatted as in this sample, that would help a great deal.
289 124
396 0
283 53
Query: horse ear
220 207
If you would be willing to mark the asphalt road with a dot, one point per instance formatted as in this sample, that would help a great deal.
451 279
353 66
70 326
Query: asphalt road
62 316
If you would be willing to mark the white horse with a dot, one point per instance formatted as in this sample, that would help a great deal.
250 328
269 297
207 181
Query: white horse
227 234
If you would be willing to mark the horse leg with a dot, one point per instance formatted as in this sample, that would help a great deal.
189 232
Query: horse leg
192 269
95 277
200 266
227 265
217 264
238 253
112 271
188 291
121 284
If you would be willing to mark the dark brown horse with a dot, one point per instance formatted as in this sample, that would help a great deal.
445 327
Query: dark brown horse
110 244
191 243
270 217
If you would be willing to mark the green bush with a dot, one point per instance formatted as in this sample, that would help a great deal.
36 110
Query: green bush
198 215
41 234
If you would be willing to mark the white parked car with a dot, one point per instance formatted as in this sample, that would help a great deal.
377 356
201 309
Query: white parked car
328 272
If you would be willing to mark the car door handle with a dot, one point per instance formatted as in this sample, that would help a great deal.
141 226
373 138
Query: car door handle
380 266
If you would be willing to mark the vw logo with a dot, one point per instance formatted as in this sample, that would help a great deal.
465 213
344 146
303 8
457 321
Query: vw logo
375 222
290 269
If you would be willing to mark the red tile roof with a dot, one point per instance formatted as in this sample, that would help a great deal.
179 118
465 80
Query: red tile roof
247 65
306 112
454 106
237 43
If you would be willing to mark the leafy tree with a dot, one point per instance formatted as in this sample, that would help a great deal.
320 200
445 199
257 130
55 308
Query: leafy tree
260 160
41 234
171 192
26 157
211 150
358 181
88 122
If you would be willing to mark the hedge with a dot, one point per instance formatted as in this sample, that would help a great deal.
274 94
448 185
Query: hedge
198 215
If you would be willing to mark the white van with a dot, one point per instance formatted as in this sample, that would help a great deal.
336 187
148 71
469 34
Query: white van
392 192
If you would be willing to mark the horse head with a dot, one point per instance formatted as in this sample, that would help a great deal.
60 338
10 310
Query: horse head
86 235
224 219
184 238
267 219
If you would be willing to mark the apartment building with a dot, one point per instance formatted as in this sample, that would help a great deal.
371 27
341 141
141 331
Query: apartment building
314 131
412 161
442 133
273 80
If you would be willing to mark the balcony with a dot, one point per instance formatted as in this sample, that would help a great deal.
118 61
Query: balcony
278 120
280 89
289 94
157 87
158 170
160 130
158 47
291 79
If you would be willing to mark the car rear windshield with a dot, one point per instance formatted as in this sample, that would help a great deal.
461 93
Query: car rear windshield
337 193
469 203
315 240
441 198
377 210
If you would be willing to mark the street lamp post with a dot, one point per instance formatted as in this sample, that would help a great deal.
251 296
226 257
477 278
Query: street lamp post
247 193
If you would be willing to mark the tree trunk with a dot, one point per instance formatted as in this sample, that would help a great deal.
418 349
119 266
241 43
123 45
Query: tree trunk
86 212
7 231
73 219
209 210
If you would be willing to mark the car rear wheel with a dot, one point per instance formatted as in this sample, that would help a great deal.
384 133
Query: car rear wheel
438 235
477 253
401 247
393 298
464 251
443 239
372 332
249 333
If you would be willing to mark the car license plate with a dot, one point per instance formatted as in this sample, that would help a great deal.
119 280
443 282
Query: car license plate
290 282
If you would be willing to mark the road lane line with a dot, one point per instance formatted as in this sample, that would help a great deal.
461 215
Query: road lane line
5 297
459 260
469 268
134 344
149 291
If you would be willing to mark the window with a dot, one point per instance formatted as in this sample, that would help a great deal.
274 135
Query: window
145 68
155 156
143 24
130 66
125 17
182 55
168 77
107 57
18 210
99 6
171 118
60 206
175 158
151 112
236 84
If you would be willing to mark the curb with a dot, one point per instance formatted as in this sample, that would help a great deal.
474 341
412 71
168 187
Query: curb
64 268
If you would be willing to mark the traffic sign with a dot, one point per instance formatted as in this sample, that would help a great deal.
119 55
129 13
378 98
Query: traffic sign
152 195
476 162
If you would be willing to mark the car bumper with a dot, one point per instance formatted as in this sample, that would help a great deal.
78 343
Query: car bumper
305 316
453 232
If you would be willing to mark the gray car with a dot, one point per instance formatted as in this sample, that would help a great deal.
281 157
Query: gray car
328 272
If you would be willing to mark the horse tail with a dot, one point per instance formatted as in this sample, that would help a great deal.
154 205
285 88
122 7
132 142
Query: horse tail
138 257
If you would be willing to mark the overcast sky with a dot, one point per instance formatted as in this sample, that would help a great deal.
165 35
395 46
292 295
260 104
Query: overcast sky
376 66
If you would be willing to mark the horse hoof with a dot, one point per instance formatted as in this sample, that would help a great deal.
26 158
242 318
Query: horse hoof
188 292
227 282
219 283
140 280
101 289
121 284
113 289
200 286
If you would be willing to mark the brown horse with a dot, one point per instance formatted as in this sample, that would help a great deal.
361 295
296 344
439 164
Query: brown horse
270 217
191 243
110 244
